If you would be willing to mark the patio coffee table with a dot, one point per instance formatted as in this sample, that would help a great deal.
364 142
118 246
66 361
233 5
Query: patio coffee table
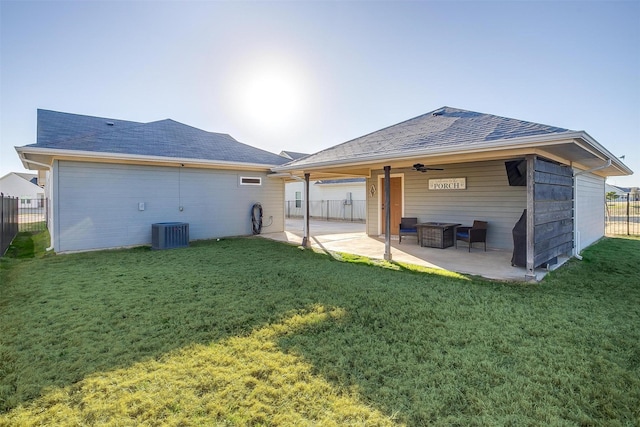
436 234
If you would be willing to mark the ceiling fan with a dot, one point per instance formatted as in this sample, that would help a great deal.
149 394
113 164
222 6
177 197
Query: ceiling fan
422 168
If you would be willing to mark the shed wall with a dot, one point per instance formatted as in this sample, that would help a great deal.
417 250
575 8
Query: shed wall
488 197
552 214
590 209
98 204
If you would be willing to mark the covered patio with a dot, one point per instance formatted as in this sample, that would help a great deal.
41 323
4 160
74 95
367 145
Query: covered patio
351 238
455 167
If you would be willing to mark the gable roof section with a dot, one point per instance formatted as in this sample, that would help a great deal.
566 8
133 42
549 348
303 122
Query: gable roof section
442 128
164 138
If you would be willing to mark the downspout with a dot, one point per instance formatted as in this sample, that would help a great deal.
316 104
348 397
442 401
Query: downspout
576 232
50 167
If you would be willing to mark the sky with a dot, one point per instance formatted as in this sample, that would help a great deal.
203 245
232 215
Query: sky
304 76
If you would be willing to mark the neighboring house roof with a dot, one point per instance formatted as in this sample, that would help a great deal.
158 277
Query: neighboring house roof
292 155
31 177
165 139
341 181
19 184
26 176
453 132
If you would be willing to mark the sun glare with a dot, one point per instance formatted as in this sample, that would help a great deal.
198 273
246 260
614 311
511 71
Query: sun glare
270 95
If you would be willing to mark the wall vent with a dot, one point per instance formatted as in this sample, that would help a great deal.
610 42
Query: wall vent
169 235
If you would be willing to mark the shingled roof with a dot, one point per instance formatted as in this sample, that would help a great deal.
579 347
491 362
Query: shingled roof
164 138
443 128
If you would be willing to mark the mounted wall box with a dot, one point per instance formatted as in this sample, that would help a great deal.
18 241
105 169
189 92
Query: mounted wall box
141 206
169 235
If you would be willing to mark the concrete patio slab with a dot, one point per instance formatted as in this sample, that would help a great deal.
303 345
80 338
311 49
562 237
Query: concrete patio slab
351 238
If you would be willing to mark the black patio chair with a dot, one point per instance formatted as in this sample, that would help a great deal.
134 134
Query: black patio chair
473 234
408 227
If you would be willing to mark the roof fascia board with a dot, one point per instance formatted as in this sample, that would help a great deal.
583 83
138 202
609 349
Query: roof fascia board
134 158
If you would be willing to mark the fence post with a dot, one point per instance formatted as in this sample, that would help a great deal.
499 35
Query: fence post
628 197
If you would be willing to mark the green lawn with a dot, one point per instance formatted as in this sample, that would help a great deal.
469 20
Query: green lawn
255 332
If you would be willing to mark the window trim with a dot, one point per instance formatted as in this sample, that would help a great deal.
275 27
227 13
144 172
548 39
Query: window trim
251 178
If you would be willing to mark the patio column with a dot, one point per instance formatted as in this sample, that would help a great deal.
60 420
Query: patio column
387 213
305 240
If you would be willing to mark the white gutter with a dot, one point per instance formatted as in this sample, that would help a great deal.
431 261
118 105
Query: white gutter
607 154
576 232
597 168
136 158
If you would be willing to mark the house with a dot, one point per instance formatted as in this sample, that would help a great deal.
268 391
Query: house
336 199
110 180
456 166
328 198
616 191
631 193
25 187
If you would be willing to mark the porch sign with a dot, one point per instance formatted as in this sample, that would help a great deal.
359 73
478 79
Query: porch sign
448 184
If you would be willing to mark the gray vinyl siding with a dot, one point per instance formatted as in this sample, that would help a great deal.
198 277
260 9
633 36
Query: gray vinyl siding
488 197
590 209
98 203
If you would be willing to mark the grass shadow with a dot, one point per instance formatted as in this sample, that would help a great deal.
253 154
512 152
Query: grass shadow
193 385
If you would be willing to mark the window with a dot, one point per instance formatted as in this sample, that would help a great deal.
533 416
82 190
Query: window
250 180
298 199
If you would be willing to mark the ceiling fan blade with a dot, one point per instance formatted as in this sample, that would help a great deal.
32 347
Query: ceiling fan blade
419 167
